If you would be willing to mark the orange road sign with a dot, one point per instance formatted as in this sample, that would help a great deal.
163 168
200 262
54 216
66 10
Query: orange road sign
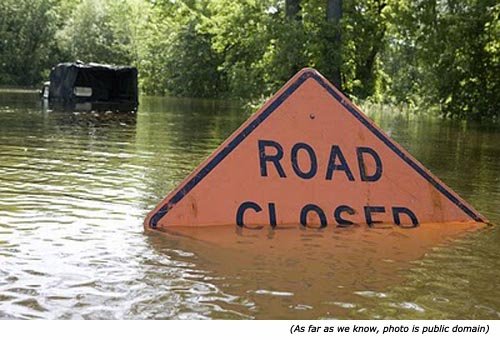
310 157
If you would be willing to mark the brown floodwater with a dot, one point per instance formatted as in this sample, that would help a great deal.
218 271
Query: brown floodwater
75 188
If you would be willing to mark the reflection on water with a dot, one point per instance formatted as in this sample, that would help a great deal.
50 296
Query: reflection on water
76 187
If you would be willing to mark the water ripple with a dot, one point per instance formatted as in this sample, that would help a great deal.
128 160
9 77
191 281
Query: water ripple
76 187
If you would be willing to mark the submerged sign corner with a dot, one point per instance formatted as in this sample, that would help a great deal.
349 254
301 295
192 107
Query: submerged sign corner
310 157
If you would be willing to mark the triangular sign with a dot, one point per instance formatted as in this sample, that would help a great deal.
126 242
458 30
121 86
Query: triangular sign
311 157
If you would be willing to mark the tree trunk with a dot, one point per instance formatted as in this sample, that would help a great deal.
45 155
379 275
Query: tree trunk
333 16
292 10
365 72
334 11
292 51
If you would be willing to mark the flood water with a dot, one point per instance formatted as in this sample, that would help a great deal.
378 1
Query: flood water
75 189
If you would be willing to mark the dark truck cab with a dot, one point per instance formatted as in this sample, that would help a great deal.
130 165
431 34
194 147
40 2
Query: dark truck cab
81 86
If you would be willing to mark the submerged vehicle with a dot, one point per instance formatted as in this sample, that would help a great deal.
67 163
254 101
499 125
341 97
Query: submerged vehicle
91 86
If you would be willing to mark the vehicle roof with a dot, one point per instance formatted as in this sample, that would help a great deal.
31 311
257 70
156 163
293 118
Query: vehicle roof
82 65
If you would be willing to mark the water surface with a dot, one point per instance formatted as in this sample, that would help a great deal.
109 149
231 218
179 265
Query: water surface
75 188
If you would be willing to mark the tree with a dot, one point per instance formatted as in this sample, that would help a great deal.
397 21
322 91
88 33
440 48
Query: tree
444 53
103 31
180 58
455 54
26 44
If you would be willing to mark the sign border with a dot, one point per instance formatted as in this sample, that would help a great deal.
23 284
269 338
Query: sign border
287 92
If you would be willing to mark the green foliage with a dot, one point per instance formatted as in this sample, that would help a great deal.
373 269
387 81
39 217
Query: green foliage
26 39
258 47
101 31
443 53
364 30
447 53
180 59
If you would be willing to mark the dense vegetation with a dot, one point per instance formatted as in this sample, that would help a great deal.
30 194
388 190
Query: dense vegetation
442 53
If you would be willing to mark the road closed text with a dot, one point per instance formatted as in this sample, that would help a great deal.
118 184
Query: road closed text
304 162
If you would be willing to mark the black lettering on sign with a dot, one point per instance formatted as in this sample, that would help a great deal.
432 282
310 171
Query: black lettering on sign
368 214
313 168
272 214
312 207
396 211
342 166
361 151
341 215
275 159
336 161
341 222
241 211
